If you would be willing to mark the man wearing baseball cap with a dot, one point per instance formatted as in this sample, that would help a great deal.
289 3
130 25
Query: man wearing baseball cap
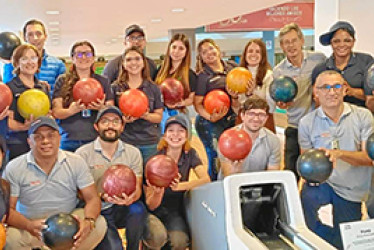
45 181
351 65
107 150
134 36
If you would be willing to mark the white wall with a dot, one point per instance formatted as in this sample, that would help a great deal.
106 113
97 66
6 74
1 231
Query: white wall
357 12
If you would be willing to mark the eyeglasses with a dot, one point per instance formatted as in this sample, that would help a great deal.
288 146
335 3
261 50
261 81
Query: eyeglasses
39 137
338 41
254 114
25 59
106 122
135 38
136 59
87 54
326 88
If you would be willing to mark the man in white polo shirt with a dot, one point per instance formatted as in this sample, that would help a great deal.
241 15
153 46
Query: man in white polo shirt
44 182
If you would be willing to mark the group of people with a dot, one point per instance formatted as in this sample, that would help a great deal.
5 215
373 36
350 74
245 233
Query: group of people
53 164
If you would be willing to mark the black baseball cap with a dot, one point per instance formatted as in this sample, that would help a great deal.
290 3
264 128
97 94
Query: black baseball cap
43 121
110 109
325 39
133 28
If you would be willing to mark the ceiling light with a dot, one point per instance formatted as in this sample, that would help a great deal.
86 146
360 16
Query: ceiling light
178 10
107 42
156 20
54 23
54 29
52 12
114 39
55 38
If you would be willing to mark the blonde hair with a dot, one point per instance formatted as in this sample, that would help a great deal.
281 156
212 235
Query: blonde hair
289 27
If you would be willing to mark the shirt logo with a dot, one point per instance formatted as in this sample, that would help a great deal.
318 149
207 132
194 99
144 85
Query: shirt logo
35 183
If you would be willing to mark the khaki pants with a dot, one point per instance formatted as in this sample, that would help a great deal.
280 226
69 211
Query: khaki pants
21 239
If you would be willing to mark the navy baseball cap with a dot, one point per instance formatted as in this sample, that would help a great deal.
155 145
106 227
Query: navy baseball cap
110 109
325 39
133 28
43 121
178 119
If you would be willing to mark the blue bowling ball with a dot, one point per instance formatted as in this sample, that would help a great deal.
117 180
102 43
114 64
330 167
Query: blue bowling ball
314 166
370 146
283 89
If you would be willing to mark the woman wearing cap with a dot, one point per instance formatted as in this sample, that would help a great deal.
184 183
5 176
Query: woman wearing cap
143 132
254 58
352 65
167 204
177 65
212 73
26 61
75 119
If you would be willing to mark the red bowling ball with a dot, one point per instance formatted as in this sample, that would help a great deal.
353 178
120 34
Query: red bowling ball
119 179
6 97
161 170
172 91
215 100
88 90
235 144
133 102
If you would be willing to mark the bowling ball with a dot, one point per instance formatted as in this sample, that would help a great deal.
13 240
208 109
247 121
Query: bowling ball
370 146
133 102
33 102
88 90
370 77
216 100
8 43
172 90
314 166
118 179
161 170
283 89
235 144
60 231
2 236
237 79
6 97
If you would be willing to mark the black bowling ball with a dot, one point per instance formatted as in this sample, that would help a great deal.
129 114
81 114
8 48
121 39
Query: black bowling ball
314 166
8 43
61 229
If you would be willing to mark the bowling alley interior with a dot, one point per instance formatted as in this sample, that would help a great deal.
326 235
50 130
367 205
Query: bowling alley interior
262 112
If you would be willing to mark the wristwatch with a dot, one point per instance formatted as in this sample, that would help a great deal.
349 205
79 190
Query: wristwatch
92 222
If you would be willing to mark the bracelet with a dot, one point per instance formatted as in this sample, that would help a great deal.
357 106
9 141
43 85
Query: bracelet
92 222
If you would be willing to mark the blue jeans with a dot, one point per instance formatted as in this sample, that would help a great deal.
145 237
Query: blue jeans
147 151
209 133
72 145
132 217
313 197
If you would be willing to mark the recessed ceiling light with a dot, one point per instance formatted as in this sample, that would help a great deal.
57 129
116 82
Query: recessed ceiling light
53 34
54 23
52 12
55 43
107 42
54 29
178 10
156 20
121 36
114 39
55 38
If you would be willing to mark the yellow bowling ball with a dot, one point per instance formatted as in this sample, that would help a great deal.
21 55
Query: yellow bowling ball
33 102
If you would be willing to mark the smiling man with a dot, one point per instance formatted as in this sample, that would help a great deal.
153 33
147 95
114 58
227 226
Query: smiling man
46 181
341 129
298 65
265 153
34 33
134 36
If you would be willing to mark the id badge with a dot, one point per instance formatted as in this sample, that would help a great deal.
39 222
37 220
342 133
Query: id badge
335 144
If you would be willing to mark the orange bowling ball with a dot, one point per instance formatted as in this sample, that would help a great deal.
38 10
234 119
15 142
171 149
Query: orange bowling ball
33 102
133 102
2 236
215 100
88 90
235 144
6 97
237 79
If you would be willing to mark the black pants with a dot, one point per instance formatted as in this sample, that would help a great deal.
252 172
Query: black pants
292 150
16 150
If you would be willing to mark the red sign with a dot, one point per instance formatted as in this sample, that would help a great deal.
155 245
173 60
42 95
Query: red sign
272 18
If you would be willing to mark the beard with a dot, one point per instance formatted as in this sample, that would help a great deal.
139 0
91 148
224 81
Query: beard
104 137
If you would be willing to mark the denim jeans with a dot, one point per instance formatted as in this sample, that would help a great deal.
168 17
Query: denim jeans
313 197
72 145
147 151
132 217
209 133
